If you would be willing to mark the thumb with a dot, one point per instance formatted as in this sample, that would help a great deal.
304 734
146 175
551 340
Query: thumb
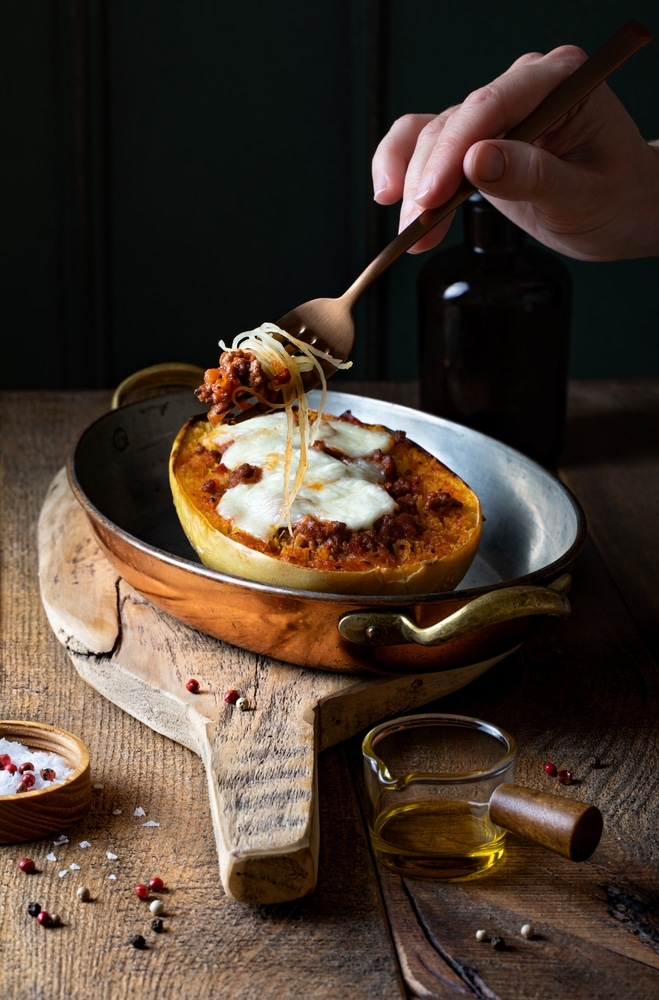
512 171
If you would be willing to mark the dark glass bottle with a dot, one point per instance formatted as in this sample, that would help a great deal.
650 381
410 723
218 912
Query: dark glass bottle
494 331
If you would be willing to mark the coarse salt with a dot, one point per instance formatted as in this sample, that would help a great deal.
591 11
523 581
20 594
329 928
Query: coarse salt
41 759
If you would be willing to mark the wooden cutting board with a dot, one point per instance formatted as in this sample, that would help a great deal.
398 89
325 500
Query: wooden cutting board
261 762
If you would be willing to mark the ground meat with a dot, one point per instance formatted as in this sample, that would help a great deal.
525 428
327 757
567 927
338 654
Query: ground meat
239 375
387 464
407 503
337 541
350 418
210 486
244 473
310 533
441 501
392 527
328 450
403 487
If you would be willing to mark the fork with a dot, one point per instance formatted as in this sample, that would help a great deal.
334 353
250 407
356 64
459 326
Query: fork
327 323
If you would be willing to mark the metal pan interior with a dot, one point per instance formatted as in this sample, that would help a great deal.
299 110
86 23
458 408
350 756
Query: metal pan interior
533 524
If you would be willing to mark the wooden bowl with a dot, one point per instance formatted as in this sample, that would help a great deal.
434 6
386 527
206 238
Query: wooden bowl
45 811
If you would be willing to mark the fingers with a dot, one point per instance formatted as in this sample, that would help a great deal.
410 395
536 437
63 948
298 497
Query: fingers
392 156
489 113
421 159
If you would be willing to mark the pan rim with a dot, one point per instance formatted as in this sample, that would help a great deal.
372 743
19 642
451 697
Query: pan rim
546 572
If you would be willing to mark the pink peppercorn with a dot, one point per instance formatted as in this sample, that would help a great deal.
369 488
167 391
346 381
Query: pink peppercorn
141 891
28 779
193 685
565 776
231 696
5 759
26 766
156 884
551 769
26 865
44 918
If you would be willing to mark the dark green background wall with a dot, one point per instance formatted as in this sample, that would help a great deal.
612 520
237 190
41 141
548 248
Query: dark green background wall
173 172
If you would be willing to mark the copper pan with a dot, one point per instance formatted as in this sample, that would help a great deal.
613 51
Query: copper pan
533 533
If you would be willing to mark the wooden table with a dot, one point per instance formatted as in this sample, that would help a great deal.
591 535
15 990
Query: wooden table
580 690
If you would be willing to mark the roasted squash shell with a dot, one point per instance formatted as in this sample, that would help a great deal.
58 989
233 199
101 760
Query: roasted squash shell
448 514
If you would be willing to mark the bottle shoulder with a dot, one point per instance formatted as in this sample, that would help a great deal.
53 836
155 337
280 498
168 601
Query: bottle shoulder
524 265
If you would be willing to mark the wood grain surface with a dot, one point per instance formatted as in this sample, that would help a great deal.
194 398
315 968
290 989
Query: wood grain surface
583 692
261 763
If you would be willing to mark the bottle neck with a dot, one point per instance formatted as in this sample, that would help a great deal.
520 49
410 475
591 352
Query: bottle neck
486 230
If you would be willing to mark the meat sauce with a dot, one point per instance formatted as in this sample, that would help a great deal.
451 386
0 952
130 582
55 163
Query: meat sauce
238 378
427 519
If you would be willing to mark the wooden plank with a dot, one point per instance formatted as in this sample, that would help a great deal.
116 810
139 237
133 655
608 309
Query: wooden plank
610 463
572 697
577 690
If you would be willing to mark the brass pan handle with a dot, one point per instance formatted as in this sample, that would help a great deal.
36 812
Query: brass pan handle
393 628
155 379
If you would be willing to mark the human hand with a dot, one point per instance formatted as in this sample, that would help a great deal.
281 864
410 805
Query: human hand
588 187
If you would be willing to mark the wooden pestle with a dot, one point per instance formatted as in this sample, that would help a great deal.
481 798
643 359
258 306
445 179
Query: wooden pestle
565 826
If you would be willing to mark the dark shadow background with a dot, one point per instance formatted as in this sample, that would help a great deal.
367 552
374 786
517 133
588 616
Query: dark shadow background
174 173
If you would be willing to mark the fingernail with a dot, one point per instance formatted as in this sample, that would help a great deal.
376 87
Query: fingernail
490 164
380 186
427 184
406 217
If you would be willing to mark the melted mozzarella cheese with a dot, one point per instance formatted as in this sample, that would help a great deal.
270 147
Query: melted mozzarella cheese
348 489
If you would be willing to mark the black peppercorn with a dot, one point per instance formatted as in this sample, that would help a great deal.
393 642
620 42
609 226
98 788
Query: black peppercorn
138 941
498 943
34 909
157 925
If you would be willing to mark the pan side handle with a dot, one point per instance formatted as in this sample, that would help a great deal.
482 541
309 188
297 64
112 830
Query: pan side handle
155 380
391 628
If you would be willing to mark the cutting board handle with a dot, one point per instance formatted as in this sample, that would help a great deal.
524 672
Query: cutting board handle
264 806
